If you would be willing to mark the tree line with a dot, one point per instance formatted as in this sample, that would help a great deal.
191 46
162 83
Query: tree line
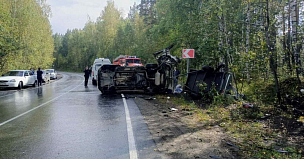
25 35
258 40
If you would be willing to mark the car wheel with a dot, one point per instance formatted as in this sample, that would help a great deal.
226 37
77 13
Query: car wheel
20 86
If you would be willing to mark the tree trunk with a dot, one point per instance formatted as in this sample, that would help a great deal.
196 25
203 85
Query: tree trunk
270 53
247 41
295 23
221 44
287 55
289 43
227 55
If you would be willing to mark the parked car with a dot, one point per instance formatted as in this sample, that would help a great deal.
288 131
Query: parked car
96 65
46 77
18 79
52 72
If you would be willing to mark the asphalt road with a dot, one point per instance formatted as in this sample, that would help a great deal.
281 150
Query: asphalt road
64 119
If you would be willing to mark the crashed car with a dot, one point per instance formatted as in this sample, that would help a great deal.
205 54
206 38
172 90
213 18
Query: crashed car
152 78
202 81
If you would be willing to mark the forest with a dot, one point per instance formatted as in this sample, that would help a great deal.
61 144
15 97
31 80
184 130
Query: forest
25 35
258 40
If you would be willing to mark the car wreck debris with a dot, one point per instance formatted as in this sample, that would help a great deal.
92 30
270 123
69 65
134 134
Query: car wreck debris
152 78
202 81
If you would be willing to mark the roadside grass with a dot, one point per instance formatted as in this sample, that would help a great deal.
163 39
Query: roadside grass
249 128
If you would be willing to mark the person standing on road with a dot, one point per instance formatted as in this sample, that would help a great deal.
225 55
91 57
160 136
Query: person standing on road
87 73
176 73
39 77
91 71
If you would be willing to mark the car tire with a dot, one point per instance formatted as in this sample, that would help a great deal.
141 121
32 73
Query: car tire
20 85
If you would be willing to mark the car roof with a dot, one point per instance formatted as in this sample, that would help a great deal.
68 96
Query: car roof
101 60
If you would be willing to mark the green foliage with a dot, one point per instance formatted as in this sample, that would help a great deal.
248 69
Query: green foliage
241 113
25 35
223 100
230 32
260 91
213 97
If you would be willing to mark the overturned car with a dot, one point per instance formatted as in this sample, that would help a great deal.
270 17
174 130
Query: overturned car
152 78
208 78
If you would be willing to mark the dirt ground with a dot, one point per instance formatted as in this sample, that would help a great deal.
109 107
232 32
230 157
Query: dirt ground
178 136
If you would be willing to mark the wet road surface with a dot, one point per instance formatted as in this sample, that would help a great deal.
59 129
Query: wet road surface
64 119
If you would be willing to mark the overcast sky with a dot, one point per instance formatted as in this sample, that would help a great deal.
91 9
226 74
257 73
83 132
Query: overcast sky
70 14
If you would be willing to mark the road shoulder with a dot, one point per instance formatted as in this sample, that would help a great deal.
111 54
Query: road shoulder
177 135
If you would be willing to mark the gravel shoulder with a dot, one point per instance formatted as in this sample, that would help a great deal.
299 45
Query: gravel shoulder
178 135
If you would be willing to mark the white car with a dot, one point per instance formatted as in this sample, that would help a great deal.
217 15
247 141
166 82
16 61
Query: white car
46 76
18 79
52 72
96 65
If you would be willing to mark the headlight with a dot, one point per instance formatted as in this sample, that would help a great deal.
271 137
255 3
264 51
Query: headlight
13 80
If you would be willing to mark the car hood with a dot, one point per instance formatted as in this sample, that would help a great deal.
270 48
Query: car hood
10 77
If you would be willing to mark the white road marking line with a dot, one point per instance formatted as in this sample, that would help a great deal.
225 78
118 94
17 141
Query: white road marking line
131 140
20 115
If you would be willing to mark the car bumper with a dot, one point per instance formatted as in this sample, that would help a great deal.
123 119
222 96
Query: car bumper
9 84
45 79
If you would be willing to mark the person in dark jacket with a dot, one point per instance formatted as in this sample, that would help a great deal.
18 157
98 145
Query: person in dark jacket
39 77
176 73
90 71
87 73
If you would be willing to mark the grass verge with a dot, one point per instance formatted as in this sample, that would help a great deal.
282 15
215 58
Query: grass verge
258 132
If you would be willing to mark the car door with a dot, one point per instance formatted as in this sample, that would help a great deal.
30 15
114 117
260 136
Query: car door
32 77
26 78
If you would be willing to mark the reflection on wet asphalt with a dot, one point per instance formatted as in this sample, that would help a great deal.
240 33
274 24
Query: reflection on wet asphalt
64 119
